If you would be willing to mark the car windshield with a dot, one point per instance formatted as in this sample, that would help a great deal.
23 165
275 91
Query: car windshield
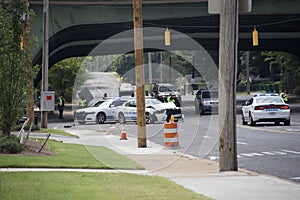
152 101
167 89
210 94
268 99
116 103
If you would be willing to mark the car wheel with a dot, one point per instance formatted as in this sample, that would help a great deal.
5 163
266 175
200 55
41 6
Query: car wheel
287 122
252 122
121 118
149 118
101 118
243 120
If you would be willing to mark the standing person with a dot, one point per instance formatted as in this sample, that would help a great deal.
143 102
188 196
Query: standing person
283 95
60 105
82 103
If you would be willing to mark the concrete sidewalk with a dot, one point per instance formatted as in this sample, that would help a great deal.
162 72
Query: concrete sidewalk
199 175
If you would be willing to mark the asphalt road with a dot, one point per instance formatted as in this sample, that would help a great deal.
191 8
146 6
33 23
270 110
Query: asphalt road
265 148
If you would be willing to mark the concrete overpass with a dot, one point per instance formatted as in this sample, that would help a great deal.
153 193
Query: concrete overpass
77 27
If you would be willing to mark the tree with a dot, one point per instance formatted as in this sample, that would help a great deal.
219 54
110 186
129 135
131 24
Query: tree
12 63
289 66
63 74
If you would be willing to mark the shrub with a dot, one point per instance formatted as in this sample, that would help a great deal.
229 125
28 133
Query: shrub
10 144
34 128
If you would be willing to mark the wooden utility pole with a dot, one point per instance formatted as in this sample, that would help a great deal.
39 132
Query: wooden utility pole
227 85
29 89
139 73
45 58
248 71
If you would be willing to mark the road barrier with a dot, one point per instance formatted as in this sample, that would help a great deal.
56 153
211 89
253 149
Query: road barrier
123 133
171 135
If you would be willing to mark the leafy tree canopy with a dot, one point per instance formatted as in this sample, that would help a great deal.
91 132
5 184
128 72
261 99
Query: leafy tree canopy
12 63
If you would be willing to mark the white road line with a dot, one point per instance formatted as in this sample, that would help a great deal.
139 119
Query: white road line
268 153
207 137
257 154
287 151
247 154
242 143
279 152
295 178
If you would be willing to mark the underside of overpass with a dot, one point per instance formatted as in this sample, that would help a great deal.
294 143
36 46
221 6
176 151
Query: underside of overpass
278 31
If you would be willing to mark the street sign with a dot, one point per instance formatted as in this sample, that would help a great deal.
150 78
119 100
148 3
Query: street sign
214 6
47 101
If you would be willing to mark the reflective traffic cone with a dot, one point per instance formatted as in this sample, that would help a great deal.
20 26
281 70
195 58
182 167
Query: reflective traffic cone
123 133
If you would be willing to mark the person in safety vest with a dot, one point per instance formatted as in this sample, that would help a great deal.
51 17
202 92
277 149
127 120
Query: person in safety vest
82 103
60 105
283 95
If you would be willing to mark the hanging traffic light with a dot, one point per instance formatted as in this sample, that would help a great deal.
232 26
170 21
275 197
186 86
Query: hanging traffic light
255 37
167 37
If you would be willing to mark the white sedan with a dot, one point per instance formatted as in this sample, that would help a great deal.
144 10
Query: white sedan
155 111
104 112
266 108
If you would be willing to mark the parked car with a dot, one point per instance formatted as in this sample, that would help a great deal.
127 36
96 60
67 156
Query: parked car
156 111
161 91
104 112
126 89
266 108
206 101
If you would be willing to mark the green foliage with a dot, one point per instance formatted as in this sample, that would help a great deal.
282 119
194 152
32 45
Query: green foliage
289 67
10 144
12 62
63 74
33 128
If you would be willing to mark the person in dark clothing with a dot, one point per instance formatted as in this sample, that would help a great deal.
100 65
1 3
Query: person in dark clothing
60 105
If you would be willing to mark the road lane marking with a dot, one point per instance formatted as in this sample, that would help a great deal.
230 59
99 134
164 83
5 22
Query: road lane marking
267 130
279 152
247 154
295 178
242 143
288 151
268 153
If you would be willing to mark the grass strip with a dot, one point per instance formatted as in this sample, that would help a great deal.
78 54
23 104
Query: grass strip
79 185
57 132
71 156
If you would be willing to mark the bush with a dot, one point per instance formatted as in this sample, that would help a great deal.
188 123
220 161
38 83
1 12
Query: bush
10 144
34 128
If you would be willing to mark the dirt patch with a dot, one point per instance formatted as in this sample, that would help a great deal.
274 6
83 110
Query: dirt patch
32 147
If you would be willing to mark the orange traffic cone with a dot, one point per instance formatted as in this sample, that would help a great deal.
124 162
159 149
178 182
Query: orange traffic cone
123 133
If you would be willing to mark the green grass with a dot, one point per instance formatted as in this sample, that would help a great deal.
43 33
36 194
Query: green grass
78 185
72 156
57 132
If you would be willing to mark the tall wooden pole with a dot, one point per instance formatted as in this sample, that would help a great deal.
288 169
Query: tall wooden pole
248 72
29 89
45 58
227 85
139 73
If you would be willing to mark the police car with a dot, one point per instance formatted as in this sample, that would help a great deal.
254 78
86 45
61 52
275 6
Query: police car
266 108
104 112
155 111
